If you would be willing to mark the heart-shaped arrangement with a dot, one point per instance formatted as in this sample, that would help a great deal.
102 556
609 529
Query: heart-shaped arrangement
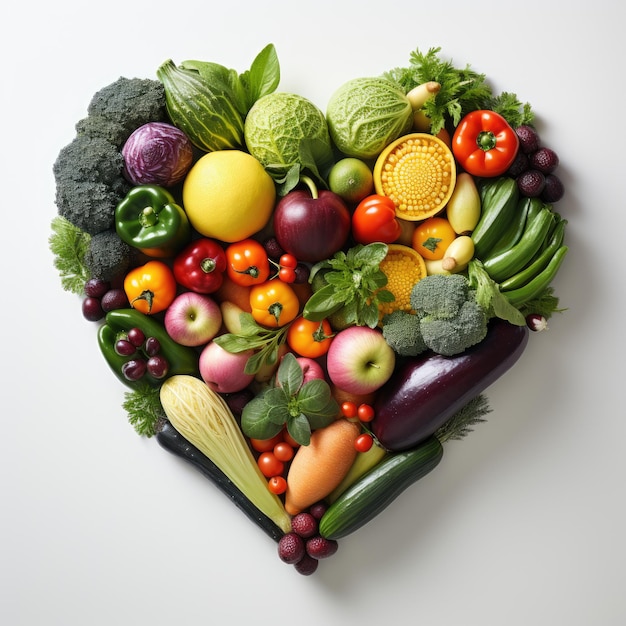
306 306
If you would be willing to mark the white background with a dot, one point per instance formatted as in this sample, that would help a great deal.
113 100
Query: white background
522 523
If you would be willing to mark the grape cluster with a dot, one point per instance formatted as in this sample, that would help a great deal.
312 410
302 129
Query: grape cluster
303 547
534 167
144 355
100 298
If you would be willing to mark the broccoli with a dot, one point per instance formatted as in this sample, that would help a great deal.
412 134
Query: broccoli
89 171
445 318
401 330
107 256
450 318
130 102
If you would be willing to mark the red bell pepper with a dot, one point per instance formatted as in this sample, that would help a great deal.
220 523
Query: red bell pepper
374 220
200 266
484 144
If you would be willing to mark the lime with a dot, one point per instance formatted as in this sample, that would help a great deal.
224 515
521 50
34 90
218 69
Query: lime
351 179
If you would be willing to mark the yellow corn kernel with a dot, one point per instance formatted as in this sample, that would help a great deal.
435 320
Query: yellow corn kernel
403 267
418 173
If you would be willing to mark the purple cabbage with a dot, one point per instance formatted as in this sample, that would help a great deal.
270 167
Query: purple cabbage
157 153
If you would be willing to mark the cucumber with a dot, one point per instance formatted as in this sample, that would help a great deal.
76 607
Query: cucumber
374 491
499 198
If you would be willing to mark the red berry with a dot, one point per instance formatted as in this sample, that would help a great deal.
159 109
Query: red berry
291 548
306 565
318 509
304 524
321 548
545 160
528 138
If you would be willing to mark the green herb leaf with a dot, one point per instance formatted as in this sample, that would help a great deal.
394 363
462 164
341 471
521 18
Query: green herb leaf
300 429
256 420
263 76
289 375
460 424
69 244
144 409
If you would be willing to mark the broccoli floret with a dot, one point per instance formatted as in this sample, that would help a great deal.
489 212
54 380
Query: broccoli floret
401 330
453 335
441 295
100 127
107 256
130 102
450 319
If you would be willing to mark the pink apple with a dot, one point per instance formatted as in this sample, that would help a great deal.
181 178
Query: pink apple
224 371
193 319
359 360
310 369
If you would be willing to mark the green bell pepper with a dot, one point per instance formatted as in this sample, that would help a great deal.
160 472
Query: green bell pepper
148 218
115 341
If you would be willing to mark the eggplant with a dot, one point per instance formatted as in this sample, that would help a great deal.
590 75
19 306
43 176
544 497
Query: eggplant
425 391
172 441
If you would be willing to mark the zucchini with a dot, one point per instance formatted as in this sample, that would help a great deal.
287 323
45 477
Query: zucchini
206 112
499 203
172 441
374 491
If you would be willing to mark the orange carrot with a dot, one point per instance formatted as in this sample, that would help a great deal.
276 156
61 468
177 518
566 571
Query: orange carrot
318 468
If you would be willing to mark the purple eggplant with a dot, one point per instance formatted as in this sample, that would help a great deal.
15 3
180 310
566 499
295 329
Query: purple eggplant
426 391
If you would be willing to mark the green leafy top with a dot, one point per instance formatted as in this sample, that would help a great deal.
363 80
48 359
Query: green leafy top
353 285
252 336
462 90
69 244
144 409
300 407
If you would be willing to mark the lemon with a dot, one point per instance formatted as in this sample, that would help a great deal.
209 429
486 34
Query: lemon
228 195
351 179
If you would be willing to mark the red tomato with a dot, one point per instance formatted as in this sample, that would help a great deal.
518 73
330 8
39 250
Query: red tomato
277 485
283 451
365 412
270 465
363 442
266 445
374 219
308 338
349 409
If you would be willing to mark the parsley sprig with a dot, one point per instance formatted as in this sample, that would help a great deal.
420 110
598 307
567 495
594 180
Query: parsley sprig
300 406
69 244
354 285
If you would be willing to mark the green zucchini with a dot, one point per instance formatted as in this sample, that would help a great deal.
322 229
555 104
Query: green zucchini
375 490
206 112
499 203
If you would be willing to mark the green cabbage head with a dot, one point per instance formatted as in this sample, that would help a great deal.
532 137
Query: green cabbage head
366 114
278 126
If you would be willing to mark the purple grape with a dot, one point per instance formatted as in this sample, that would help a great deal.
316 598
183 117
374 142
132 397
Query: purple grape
528 138
92 309
134 369
157 366
273 248
554 189
114 299
123 347
96 287
152 347
302 273
136 337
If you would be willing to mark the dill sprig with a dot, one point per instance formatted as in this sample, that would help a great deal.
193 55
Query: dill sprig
462 422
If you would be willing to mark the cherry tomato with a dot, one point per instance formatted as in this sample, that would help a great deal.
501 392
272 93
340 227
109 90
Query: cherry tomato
363 442
349 409
270 465
266 445
247 262
277 485
365 412
287 274
288 260
150 288
274 303
309 338
283 451
432 237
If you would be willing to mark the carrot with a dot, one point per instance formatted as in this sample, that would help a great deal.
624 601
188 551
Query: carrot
318 468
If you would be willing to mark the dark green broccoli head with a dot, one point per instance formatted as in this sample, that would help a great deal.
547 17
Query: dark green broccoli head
100 127
107 257
130 102
401 330
440 295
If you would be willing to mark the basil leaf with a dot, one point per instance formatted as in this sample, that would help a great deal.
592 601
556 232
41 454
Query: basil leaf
263 76
313 396
298 427
255 422
289 375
